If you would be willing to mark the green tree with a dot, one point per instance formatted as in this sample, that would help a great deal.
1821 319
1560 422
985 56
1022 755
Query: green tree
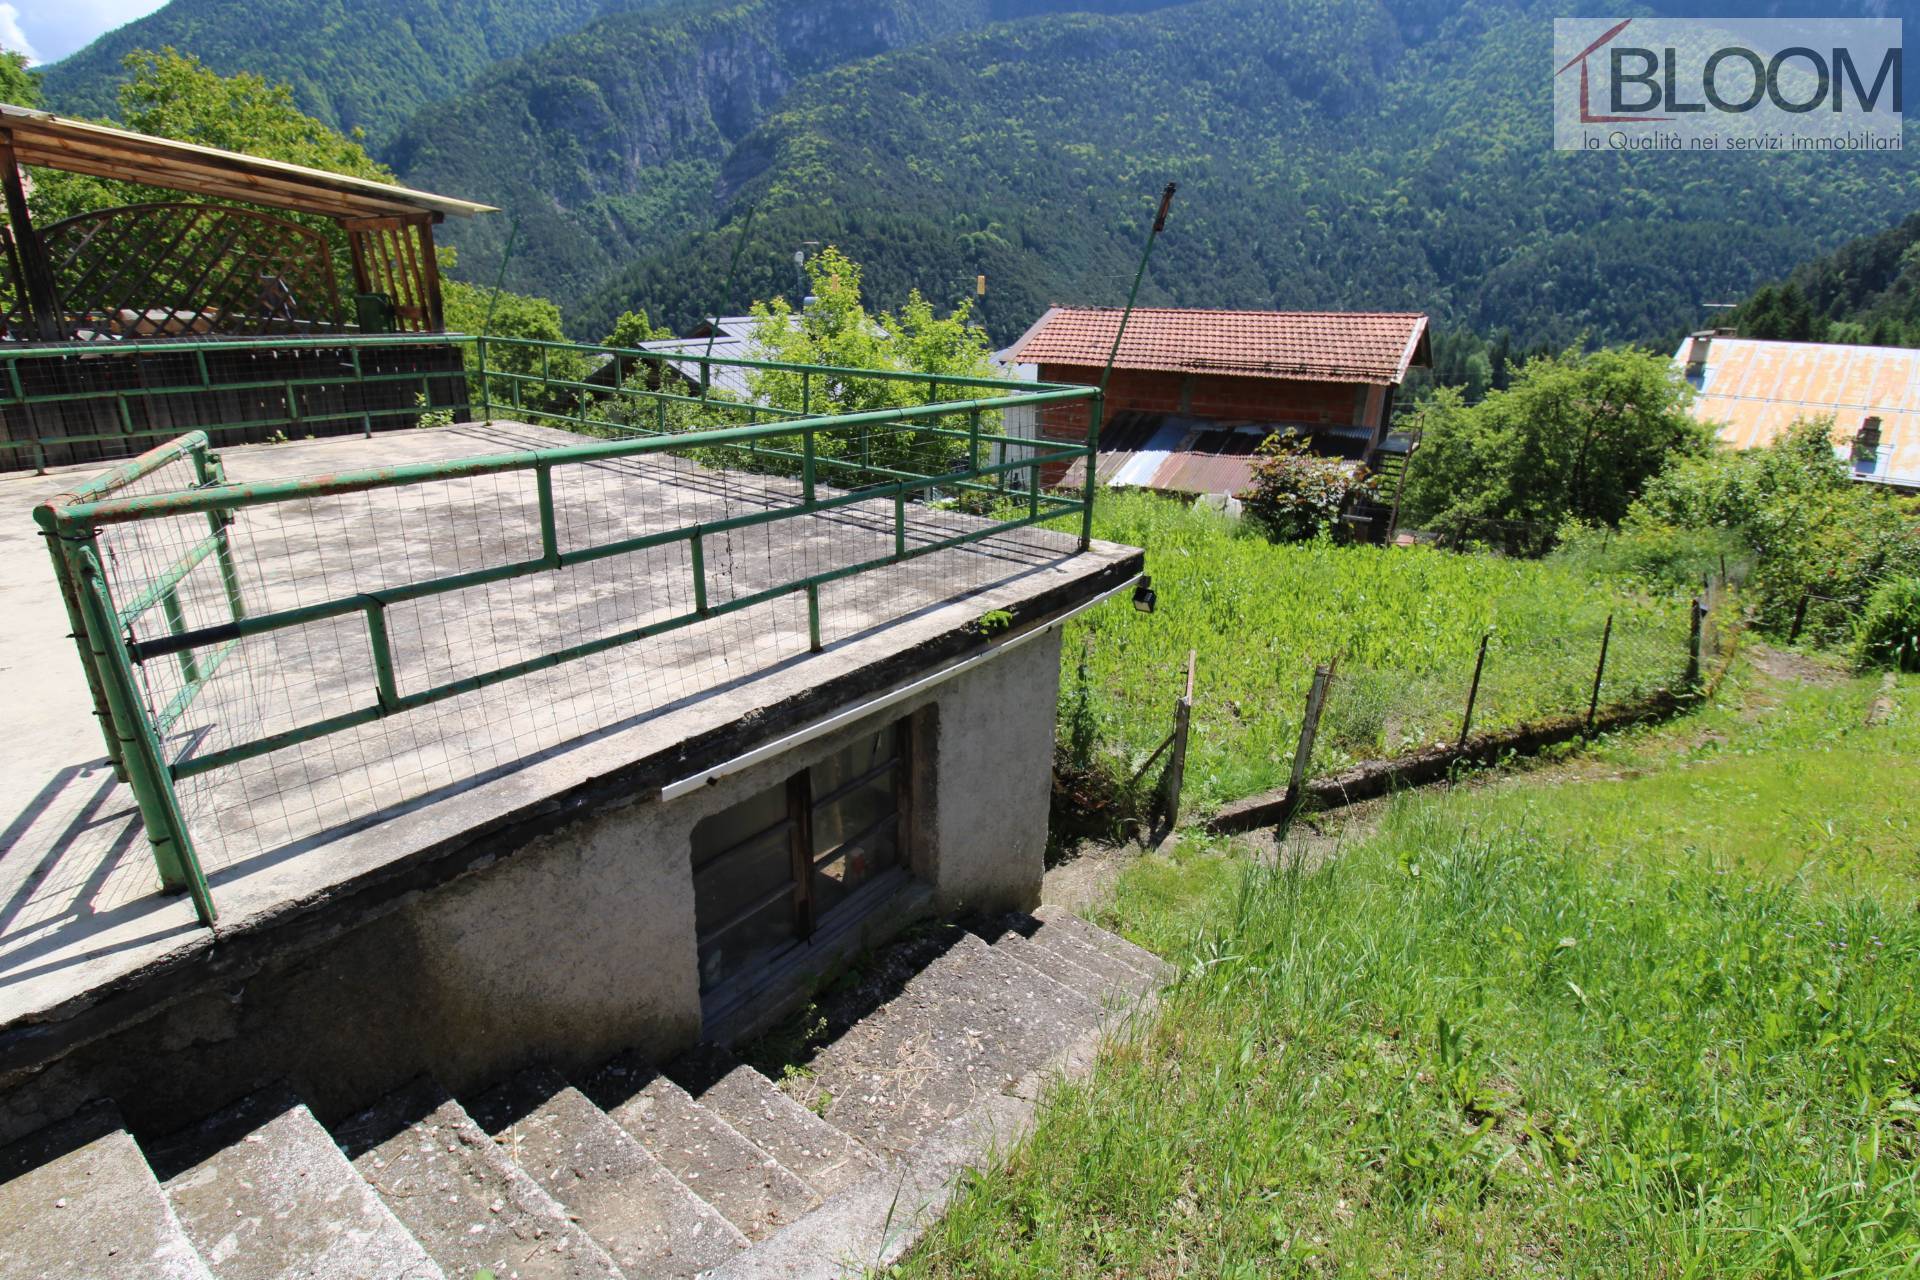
632 329
1574 437
19 83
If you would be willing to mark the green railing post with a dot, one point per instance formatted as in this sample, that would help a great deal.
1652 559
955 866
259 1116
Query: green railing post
67 576
973 442
1096 410
694 544
147 772
813 617
549 524
806 391
486 385
807 466
900 525
386 686
208 469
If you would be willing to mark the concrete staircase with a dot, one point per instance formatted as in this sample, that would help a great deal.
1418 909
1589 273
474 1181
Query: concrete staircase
932 1062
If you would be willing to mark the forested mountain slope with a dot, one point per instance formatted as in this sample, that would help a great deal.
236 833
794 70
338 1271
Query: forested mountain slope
611 141
1867 291
353 63
1331 153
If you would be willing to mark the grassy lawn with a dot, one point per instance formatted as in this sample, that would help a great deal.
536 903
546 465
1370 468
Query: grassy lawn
1649 1012
1405 623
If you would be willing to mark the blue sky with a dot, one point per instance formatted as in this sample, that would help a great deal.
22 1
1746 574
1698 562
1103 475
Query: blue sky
47 30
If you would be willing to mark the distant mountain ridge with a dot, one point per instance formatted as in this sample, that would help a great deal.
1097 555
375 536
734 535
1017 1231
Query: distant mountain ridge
1331 153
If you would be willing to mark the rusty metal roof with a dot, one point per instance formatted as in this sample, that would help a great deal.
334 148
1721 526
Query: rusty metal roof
1303 346
1187 455
1751 390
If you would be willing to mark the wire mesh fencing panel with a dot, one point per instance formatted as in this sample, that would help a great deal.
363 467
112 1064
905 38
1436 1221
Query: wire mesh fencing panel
314 656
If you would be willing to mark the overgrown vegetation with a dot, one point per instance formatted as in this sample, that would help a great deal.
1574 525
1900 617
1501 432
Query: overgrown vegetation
1574 437
1661 1019
1820 542
1405 624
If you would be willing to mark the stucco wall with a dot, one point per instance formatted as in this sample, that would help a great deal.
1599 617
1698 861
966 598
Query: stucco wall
575 947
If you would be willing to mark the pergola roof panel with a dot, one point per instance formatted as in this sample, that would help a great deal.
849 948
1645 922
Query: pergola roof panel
55 142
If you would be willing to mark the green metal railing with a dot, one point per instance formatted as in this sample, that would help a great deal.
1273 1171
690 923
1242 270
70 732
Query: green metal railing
822 453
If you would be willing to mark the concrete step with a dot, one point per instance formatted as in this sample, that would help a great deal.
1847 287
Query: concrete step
1068 935
823 1157
78 1202
628 1201
753 1190
1012 934
872 1223
264 1194
460 1195
970 1023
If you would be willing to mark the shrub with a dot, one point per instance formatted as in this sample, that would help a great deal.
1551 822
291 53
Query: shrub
1812 529
1889 634
1575 437
1298 495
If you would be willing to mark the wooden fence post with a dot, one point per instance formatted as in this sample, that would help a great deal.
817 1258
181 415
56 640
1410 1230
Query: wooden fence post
1599 673
1182 723
1473 692
1799 618
1699 612
1309 728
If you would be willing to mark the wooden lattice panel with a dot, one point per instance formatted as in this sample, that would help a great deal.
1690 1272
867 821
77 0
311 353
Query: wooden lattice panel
159 270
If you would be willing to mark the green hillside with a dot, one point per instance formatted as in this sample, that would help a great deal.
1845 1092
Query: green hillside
618 134
1868 290
365 64
1326 156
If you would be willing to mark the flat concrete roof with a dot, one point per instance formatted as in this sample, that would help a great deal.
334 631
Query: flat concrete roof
367 815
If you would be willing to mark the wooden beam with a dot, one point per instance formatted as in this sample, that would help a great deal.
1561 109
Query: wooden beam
436 310
43 300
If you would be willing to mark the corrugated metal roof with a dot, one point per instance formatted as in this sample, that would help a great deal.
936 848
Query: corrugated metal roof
1753 390
1311 346
1186 455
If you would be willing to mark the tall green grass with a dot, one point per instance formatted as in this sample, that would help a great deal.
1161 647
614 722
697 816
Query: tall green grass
1404 623
1660 1023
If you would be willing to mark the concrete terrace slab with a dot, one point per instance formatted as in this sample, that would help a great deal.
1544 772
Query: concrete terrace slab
397 805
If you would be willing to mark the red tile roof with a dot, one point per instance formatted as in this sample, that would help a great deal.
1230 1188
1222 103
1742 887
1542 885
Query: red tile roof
1313 346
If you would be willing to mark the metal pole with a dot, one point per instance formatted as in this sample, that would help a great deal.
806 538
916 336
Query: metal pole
1159 225
486 323
147 773
1473 692
1599 673
733 272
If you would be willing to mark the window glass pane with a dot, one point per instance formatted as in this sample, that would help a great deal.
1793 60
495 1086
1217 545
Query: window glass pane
847 817
746 943
836 877
731 826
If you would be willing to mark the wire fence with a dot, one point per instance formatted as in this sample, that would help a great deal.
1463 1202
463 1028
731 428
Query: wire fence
1575 668
281 660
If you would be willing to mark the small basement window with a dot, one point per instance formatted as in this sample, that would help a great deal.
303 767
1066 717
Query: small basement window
769 870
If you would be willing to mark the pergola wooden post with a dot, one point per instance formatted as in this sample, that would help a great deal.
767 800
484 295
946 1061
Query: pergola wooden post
36 277
395 257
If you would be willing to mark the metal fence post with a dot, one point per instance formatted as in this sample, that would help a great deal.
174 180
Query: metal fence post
1309 729
147 772
1096 410
486 385
1599 673
1473 691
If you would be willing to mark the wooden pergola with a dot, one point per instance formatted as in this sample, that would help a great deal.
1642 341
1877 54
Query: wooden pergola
196 267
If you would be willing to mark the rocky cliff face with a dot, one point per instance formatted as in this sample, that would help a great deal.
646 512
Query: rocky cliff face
614 138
